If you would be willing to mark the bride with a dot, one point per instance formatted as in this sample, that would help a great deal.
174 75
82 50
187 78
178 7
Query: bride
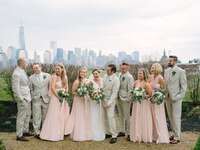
97 121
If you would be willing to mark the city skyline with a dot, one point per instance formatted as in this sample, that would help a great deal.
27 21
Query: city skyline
148 27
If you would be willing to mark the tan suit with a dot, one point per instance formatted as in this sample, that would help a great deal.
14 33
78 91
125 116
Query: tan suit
123 103
21 90
110 87
39 85
176 84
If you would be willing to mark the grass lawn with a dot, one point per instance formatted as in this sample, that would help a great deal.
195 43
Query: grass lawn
188 143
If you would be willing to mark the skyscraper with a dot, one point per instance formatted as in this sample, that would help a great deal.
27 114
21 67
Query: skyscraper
22 45
136 56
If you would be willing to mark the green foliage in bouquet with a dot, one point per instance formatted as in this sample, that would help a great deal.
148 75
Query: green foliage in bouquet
97 95
65 96
137 94
82 90
158 97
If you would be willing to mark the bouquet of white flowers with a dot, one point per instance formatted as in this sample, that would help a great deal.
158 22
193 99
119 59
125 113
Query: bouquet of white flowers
64 95
158 97
137 94
82 90
97 95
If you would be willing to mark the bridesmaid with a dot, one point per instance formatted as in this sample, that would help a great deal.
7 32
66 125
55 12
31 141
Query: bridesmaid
141 125
81 130
54 123
97 119
160 131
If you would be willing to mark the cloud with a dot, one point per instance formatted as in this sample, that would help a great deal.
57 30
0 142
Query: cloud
113 25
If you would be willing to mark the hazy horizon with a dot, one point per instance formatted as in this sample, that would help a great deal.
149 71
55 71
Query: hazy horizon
146 26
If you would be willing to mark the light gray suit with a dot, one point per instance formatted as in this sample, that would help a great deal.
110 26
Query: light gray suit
21 90
176 84
110 87
39 85
123 103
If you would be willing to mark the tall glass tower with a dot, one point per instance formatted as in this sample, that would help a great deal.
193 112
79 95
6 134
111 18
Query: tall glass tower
22 45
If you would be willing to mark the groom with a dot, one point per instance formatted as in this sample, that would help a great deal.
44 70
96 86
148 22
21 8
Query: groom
176 84
111 85
39 85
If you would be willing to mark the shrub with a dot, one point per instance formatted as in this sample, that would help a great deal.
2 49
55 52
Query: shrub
2 146
195 113
197 146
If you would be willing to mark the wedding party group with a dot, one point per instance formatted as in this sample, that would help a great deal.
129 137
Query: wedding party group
111 106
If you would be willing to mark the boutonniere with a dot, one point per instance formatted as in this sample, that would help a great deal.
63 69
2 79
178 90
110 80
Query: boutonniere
173 73
44 77
123 78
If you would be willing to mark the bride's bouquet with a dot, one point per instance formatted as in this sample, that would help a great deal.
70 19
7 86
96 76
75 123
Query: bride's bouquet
137 94
97 95
64 96
82 90
158 97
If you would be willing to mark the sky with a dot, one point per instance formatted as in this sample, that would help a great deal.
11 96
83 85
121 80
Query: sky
148 26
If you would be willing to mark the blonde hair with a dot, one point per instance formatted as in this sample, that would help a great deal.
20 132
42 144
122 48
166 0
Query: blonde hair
63 74
158 68
82 68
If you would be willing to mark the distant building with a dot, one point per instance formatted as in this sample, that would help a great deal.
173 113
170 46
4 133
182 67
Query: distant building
53 48
3 59
12 55
135 56
47 57
59 56
36 58
71 57
22 45
164 58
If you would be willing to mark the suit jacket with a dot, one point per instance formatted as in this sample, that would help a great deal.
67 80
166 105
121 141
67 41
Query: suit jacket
176 83
20 85
126 82
111 88
39 85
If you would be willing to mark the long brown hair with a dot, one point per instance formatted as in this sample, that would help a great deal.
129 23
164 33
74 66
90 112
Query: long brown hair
145 73
63 75
78 77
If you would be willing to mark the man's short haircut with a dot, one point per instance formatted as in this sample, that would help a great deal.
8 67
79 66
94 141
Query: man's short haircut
124 63
113 68
19 61
174 57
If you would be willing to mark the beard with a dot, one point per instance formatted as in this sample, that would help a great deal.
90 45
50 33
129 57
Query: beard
170 65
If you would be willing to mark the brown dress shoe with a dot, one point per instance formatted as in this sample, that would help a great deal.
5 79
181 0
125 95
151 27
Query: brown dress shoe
22 138
27 134
113 140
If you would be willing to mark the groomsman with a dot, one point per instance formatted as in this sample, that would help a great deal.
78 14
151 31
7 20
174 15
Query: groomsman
123 103
39 85
111 87
21 90
176 83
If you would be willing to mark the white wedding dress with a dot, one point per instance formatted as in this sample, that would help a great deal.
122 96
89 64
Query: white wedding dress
97 119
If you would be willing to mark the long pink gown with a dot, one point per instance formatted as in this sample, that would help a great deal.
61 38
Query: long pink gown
160 131
53 128
81 117
141 125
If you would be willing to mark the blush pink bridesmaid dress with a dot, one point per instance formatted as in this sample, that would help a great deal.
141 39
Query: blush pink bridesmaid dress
141 125
160 130
81 117
53 128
